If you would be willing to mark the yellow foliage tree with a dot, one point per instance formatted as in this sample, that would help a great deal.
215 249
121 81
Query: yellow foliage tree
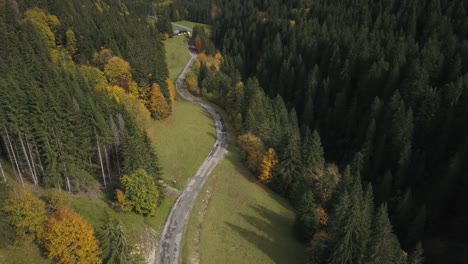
118 72
192 86
94 76
157 103
71 239
102 57
268 164
44 23
27 212
172 90
71 42
135 107
253 146
124 204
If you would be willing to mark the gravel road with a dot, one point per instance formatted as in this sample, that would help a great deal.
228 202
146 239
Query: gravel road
170 246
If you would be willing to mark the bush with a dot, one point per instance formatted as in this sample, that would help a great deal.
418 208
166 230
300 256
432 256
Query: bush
27 214
141 190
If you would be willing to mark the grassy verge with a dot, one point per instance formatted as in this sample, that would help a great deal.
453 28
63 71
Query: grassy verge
183 141
177 55
237 220
185 138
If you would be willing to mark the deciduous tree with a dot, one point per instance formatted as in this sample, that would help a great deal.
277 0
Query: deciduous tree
157 103
71 239
141 190
268 164
27 214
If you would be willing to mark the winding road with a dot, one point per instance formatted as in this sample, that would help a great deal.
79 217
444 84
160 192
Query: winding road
170 246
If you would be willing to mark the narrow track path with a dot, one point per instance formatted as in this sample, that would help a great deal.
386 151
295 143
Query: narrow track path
170 246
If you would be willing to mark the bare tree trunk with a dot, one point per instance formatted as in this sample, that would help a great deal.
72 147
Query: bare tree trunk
68 184
40 161
36 172
67 179
33 175
100 160
3 173
14 158
107 164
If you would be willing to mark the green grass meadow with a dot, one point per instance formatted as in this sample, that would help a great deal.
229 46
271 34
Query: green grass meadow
185 138
183 141
177 55
237 220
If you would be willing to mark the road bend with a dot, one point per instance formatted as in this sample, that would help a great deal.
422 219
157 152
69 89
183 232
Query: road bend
170 246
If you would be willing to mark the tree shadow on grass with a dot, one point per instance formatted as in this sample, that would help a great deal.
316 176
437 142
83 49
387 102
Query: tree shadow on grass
266 237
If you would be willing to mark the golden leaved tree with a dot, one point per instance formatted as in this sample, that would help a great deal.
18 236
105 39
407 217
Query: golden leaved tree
71 239
118 72
253 146
157 103
27 213
268 164
172 90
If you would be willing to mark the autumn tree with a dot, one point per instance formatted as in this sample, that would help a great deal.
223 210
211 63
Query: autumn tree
253 147
71 43
27 214
269 161
122 201
325 181
54 200
102 57
157 103
172 90
118 72
71 239
141 190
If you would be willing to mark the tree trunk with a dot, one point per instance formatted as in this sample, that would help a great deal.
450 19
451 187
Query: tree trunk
33 175
100 160
36 172
3 173
107 164
14 158
117 161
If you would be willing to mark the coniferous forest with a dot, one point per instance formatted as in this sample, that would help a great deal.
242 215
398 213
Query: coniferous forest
364 106
355 111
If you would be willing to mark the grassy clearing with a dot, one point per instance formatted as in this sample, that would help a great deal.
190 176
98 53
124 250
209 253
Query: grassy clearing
183 141
94 209
20 254
177 55
190 24
236 220
185 138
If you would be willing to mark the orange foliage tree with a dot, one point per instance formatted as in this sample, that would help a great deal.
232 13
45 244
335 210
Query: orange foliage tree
124 204
253 146
157 103
27 214
71 239
267 165
198 45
